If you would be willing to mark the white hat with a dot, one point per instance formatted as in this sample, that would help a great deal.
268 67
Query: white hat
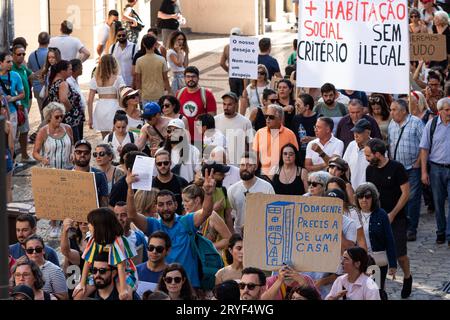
235 31
177 123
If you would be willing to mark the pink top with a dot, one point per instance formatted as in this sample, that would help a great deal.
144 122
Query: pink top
364 288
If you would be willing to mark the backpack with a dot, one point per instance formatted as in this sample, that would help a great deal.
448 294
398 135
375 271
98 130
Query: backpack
202 93
130 134
132 52
209 259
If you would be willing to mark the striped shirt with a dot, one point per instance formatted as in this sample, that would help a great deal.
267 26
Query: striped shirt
58 150
55 281
408 146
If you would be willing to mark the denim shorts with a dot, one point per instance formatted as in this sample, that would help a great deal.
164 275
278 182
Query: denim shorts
9 162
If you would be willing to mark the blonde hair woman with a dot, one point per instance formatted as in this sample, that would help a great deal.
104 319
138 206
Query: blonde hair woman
145 202
252 95
107 84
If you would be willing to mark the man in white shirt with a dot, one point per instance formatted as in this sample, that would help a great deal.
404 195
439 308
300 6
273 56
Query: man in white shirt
237 129
319 150
249 183
124 51
103 33
354 155
69 46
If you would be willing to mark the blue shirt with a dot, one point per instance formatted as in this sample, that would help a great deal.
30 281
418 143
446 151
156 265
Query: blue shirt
271 64
148 279
16 87
101 183
181 251
16 251
36 65
440 149
408 145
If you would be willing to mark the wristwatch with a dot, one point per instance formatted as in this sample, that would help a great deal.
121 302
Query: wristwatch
322 154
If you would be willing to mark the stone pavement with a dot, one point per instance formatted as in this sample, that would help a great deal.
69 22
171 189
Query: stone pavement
430 263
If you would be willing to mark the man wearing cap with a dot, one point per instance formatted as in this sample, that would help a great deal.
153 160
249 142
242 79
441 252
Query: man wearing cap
22 292
236 85
219 155
69 46
155 130
354 155
236 128
82 158
404 135
355 112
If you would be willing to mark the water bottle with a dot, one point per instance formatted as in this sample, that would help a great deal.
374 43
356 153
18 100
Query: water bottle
301 133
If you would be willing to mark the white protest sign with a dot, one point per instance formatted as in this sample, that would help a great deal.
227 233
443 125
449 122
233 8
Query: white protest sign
143 167
243 57
357 45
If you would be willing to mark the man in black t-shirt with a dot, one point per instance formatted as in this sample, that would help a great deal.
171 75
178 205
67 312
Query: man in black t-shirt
391 180
166 180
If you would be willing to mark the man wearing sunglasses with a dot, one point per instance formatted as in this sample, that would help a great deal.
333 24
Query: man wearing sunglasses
123 50
149 272
252 284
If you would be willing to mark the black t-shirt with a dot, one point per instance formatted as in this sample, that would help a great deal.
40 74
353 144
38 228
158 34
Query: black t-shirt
308 124
288 116
176 185
113 296
118 192
168 7
388 181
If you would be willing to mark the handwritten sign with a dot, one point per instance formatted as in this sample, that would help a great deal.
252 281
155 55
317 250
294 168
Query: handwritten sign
304 231
243 57
428 47
60 194
357 45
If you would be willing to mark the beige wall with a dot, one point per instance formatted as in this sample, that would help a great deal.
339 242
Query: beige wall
219 16
30 18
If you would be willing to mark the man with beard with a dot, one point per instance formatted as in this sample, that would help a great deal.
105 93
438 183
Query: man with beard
249 183
252 284
330 107
165 179
155 130
124 50
82 158
177 227
149 272
391 180
195 100
104 275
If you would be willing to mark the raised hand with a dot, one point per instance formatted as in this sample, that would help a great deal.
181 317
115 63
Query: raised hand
131 178
209 184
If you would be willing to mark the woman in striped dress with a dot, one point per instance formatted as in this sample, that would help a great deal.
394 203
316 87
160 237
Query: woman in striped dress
54 141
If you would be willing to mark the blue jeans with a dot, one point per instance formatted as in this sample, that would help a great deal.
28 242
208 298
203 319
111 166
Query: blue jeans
415 195
440 186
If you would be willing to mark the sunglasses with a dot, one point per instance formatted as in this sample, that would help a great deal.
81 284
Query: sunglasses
121 36
273 100
270 117
250 286
32 250
99 154
82 152
314 184
414 16
158 249
169 280
364 195
374 99
59 117
331 166
165 163
94 270
167 105
261 73
21 54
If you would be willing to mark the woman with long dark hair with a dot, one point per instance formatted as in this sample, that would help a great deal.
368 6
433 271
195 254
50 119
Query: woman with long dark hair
175 283
379 110
177 58
235 259
286 99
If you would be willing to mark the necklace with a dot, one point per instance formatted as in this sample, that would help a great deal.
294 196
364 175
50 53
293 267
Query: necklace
288 178
366 217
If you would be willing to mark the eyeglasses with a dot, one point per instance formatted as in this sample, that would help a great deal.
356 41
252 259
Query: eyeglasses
190 76
20 275
364 195
270 117
273 100
414 16
82 152
158 249
161 163
99 154
32 250
167 105
250 286
21 54
314 184
94 270
169 280
289 154
58 117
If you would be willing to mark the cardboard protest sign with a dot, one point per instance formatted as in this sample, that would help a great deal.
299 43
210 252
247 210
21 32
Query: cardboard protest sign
243 57
357 45
428 47
60 194
304 232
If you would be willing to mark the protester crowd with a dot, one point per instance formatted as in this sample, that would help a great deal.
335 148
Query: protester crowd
377 152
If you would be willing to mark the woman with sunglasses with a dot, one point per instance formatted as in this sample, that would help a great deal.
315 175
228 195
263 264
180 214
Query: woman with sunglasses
252 95
380 111
170 107
55 280
104 156
234 256
317 182
53 145
286 99
129 101
416 23
177 58
289 177
27 272
258 115
175 283
338 167
378 232
120 135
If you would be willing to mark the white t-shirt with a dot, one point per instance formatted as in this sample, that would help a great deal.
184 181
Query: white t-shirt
125 59
365 221
172 65
190 163
231 177
216 139
334 146
115 144
103 34
253 97
357 163
236 195
68 45
352 213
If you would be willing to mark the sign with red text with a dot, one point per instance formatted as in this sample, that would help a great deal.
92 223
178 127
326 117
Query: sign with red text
356 45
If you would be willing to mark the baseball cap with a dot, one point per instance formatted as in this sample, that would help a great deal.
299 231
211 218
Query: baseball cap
361 125
217 167
125 92
335 193
339 162
83 142
235 31
177 123
151 109
231 95
23 290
